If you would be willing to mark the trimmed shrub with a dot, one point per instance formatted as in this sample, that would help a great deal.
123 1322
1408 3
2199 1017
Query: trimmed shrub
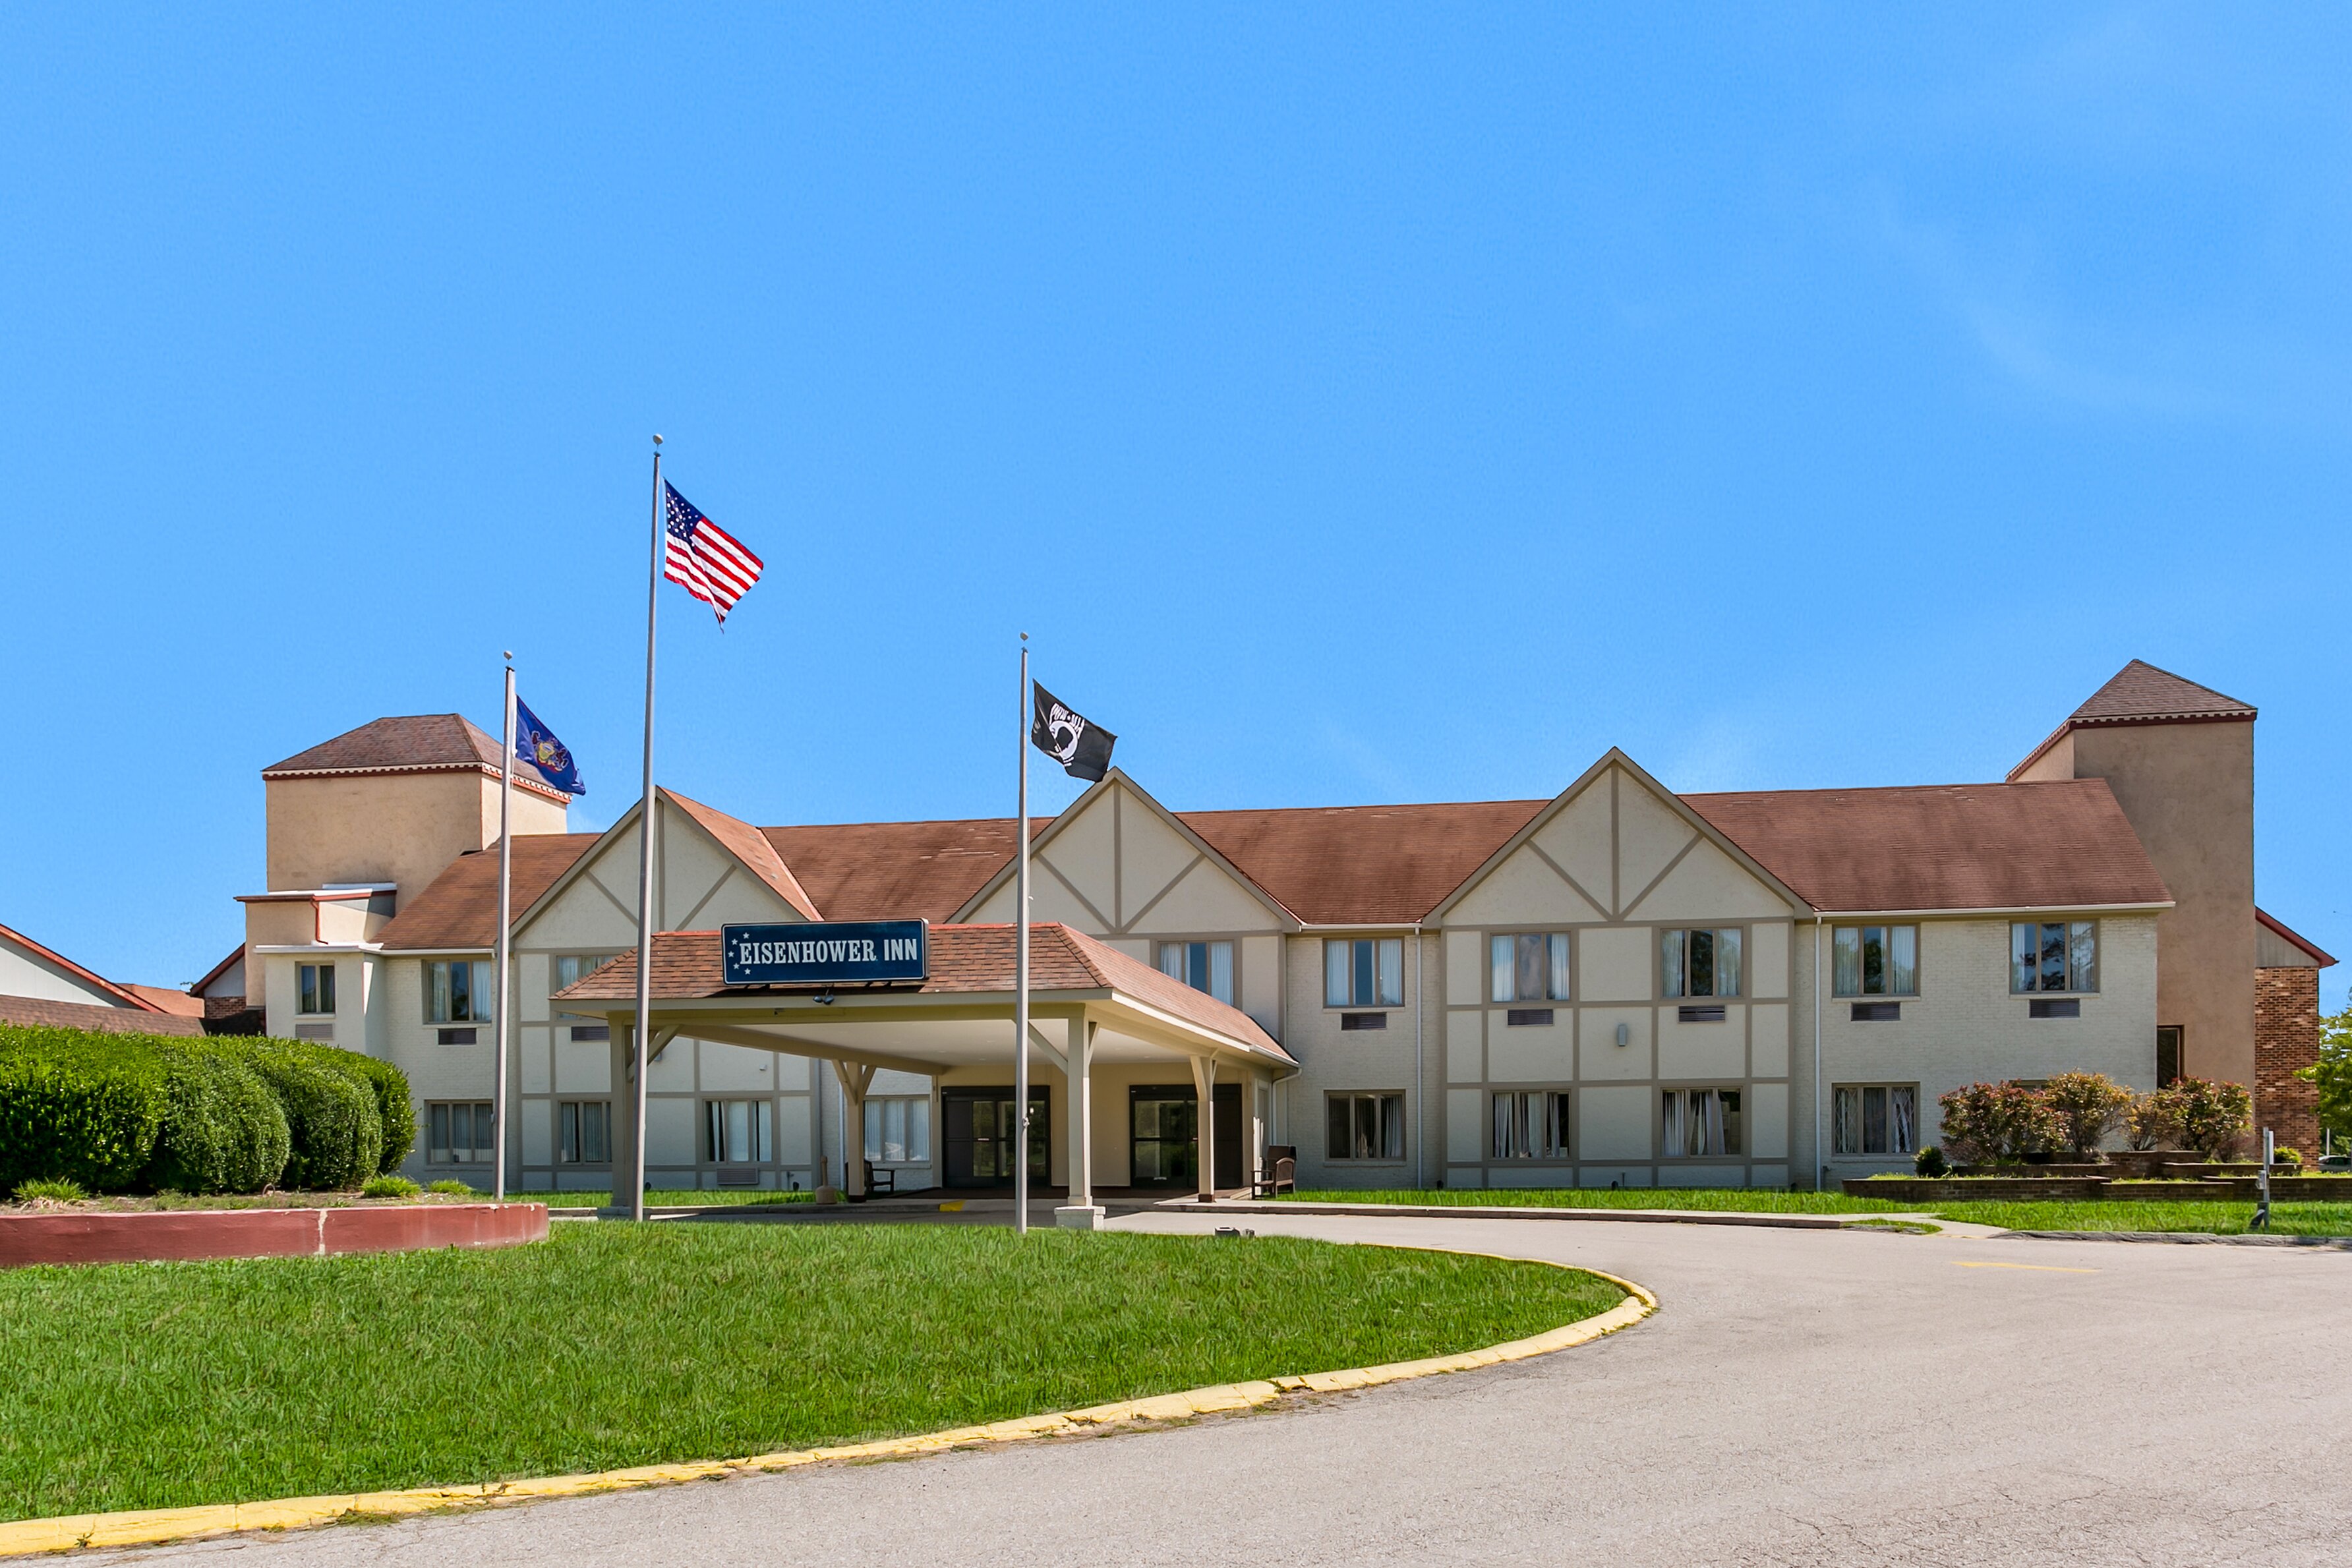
1930 1162
336 1131
388 1187
389 1084
78 1107
2087 1107
222 1127
1991 1123
2284 1156
452 1188
2214 1117
2152 1121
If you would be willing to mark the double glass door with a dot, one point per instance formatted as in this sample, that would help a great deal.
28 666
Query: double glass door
1164 1129
979 1135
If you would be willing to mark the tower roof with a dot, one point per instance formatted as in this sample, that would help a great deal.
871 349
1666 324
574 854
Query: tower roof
412 743
2140 693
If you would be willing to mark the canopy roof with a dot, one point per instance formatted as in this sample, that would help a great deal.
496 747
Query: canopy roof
957 1018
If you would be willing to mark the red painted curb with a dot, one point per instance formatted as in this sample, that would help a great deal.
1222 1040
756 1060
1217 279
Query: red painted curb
188 1234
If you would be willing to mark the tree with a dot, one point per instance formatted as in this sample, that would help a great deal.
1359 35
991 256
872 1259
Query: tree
2333 1073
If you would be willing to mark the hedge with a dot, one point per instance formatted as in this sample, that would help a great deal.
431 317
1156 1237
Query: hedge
118 1113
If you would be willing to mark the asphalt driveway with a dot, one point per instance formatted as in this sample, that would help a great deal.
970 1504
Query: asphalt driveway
1801 1398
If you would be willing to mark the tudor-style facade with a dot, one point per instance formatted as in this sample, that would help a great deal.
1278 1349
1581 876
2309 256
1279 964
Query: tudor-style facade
1616 985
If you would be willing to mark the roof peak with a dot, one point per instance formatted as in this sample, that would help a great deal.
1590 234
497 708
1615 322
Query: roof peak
407 743
2140 691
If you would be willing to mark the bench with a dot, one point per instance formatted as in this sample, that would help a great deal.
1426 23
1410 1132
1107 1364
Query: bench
1279 1174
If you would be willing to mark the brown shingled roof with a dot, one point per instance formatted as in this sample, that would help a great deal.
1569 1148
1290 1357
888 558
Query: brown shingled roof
2056 844
412 743
460 909
873 870
2141 691
687 965
40 1012
1361 865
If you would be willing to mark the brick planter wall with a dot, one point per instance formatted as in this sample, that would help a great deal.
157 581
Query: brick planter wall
92 1237
2286 1038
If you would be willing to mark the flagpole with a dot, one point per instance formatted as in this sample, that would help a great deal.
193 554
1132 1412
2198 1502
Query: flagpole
1021 973
505 943
638 1052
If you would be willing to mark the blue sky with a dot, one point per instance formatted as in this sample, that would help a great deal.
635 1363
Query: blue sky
1356 404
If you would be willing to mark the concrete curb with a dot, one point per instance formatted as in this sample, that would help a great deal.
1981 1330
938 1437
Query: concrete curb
152 1527
2187 1238
1508 1211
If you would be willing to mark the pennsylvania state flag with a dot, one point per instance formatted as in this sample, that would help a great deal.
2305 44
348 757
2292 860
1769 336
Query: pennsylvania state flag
536 743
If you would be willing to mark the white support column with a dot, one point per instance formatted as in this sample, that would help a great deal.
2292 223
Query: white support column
623 1130
1080 1212
1204 1124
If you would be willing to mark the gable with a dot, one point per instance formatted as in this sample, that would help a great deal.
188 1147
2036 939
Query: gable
1615 846
699 884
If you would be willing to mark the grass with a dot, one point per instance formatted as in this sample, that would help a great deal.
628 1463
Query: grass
2220 1218
155 1386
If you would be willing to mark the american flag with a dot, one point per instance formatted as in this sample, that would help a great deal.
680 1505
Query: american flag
703 558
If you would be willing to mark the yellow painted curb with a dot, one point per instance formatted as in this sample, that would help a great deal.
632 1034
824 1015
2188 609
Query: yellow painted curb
149 1527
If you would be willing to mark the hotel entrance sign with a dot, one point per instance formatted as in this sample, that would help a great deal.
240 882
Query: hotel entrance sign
826 953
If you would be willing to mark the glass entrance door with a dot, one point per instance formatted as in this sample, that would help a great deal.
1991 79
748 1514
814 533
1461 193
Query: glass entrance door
1164 1124
978 1146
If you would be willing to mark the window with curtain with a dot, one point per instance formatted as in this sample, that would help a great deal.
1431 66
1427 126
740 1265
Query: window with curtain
314 985
1364 972
1875 1118
898 1129
583 1131
1204 966
2053 956
738 1132
1697 1123
458 1132
1874 960
569 968
459 991
1531 1125
1365 1126
1528 967
1699 961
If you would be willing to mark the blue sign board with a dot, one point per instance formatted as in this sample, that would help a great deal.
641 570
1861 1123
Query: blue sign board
826 953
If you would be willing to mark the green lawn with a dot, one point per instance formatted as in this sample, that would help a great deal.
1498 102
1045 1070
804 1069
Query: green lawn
154 1385
2144 1214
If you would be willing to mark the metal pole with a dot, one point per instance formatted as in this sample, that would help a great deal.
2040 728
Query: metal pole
506 943
646 866
1020 975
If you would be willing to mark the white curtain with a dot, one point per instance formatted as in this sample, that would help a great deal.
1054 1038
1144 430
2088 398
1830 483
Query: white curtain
1904 1112
1672 1135
1391 976
1727 963
1335 987
1670 962
1559 989
1220 971
1499 964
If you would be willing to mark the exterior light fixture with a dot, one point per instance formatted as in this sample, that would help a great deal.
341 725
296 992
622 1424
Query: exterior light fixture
1624 1034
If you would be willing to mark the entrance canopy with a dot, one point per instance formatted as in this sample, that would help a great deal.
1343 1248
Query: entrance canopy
1088 1002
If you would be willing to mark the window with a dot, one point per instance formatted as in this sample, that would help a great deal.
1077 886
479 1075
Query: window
1204 966
457 991
1368 972
898 1129
1875 1118
583 1131
1875 961
738 1132
2053 956
314 985
2168 1055
1528 967
570 969
1700 1122
1366 1126
1532 1126
1700 963
458 1133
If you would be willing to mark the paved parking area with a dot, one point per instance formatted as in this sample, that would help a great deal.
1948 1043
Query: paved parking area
1802 1397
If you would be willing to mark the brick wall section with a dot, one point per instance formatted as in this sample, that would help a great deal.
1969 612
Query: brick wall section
2286 1038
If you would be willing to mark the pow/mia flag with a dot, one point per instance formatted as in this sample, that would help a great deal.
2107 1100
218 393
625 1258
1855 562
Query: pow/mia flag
1083 748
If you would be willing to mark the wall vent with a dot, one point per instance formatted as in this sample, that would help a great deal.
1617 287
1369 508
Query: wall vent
1527 1016
1699 1015
1363 1020
1878 1012
2054 1008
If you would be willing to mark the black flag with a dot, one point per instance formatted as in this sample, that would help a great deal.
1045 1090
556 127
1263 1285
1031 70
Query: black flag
1082 748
